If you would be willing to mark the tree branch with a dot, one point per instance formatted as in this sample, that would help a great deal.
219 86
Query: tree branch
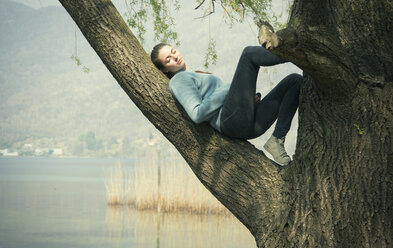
318 53
211 12
199 5
238 174
335 49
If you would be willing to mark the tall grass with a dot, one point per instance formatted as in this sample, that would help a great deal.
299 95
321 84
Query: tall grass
160 183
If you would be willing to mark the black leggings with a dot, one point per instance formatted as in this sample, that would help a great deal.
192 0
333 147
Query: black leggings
241 116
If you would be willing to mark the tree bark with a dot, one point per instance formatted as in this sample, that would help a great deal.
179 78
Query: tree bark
344 154
338 190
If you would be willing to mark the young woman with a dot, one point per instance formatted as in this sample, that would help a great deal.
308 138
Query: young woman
233 109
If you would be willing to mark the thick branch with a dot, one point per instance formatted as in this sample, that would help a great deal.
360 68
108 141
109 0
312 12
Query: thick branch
238 174
317 53
337 49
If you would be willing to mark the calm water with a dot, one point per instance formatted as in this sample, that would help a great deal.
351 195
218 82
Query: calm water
53 202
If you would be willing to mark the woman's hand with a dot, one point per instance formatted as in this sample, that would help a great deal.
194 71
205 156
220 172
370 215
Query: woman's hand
257 97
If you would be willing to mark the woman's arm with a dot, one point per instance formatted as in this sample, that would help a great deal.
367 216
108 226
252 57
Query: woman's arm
184 89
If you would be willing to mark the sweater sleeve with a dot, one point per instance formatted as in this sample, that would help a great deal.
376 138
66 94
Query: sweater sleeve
184 89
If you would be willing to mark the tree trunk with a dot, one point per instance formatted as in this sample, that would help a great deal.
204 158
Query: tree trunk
338 190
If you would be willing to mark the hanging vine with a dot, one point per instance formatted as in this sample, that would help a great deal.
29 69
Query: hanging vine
74 55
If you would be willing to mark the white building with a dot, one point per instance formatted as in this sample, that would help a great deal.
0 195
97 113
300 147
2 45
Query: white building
57 151
8 153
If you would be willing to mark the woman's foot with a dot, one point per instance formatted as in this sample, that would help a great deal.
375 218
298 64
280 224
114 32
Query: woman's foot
276 148
267 37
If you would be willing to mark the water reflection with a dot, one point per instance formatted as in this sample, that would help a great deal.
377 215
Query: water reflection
176 229
62 203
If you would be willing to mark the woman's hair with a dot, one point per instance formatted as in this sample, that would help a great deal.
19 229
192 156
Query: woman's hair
156 61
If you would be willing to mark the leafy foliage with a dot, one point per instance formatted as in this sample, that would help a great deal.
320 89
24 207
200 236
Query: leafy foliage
79 63
238 10
360 130
211 54
159 12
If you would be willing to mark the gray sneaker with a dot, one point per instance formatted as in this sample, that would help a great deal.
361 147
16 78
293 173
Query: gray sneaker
276 148
267 37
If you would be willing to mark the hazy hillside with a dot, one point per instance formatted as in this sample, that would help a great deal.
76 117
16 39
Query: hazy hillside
44 93
47 100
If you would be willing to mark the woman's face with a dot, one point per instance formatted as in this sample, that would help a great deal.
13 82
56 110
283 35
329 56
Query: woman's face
171 59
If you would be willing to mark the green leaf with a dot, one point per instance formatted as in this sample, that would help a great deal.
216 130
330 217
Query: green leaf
211 54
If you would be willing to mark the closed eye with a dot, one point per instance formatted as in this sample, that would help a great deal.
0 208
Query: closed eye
173 51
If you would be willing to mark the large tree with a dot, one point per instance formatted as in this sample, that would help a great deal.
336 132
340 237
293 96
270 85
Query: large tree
338 190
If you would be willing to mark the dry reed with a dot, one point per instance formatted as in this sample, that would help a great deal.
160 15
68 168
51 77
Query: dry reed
153 229
164 184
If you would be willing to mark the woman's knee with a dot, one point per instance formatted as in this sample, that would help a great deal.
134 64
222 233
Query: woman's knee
295 79
248 51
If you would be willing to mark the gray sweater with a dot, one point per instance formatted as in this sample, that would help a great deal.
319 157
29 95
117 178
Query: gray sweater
201 95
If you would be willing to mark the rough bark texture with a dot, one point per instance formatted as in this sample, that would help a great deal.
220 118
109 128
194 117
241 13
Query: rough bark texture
338 191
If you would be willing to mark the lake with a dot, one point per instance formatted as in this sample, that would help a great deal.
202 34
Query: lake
61 202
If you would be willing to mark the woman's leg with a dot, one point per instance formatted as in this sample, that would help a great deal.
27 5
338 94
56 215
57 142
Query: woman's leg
280 104
238 111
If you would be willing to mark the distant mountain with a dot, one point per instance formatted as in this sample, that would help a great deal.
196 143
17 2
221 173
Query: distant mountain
45 95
